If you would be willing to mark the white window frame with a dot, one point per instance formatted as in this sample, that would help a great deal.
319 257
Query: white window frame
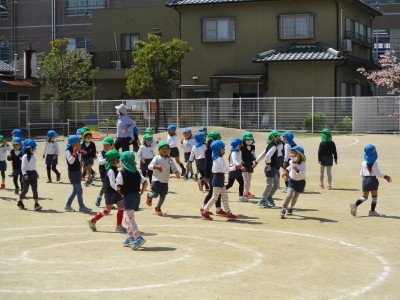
4 45
231 30
294 35
83 7
133 46
4 14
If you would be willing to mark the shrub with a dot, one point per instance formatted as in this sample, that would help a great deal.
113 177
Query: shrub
320 121
346 125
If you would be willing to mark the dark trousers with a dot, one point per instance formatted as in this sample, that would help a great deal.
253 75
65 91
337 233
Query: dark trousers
231 181
122 142
15 180
32 181
49 168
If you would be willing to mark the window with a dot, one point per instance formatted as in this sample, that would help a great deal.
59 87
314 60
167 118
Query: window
219 30
3 10
85 44
4 51
296 27
128 41
83 7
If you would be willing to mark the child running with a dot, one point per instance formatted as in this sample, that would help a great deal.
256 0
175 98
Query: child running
29 174
219 169
235 159
172 140
72 154
248 157
289 144
110 192
326 154
88 155
146 154
4 148
198 155
50 153
370 184
296 172
15 157
162 164
271 169
187 144
108 143
128 184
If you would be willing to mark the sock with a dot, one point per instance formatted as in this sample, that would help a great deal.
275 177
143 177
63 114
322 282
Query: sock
100 214
360 200
373 203
120 216
182 167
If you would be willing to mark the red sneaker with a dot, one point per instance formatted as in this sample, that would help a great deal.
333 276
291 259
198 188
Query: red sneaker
247 195
231 216
220 212
206 216
251 195
158 211
149 201
3 186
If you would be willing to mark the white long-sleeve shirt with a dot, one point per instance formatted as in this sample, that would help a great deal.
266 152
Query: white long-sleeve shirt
120 179
374 171
102 160
198 152
166 163
172 141
280 149
236 158
28 165
268 155
3 152
146 152
302 171
220 166
51 148
70 158
287 148
111 178
187 145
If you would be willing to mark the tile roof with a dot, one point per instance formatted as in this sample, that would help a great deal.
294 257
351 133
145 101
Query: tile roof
6 67
16 83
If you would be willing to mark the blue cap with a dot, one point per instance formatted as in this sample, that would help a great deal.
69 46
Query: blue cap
216 148
370 154
187 130
171 127
73 139
298 148
51 133
79 131
17 140
235 143
17 132
289 137
199 139
203 128
30 143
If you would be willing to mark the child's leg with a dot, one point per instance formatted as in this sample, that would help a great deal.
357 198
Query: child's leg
241 185
231 181
72 196
120 212
321 175
79 193
225 200
34 186
54 169
102 213
48 169
294 199
150 173
374 195
89 172
15 180
3 177
132 230
161 200
289 196
25 189
363 198
268 188
329 174
246 180
275 186
215 195
144 172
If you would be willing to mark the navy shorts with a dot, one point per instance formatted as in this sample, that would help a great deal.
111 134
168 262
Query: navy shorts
327 160
112 198
187 156
132 201
174 152
235 174
370 183
201 164
218 180
297 185
3 165
249 166
159 188
17 172
50 160
87 161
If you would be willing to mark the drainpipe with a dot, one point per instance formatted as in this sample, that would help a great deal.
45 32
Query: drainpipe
179 94
337 26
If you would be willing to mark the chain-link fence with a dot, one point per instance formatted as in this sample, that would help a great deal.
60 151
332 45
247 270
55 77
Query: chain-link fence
344 114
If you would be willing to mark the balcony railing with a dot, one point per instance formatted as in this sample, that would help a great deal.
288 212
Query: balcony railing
359 39
112 59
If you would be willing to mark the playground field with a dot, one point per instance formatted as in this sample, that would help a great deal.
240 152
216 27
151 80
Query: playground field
321 252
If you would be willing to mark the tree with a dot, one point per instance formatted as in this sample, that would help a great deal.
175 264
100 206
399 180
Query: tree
69 71
152 67
388 76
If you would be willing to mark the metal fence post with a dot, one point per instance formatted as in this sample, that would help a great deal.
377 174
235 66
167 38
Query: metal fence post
240 113
353 114
29 130
312 114
149 113
275 121
52 114
258 114
67 127
26 113
177 112
208 105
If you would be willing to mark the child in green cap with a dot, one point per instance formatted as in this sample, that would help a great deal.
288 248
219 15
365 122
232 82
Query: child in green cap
110 192
326 154
161 164
249 157
88 155
108 143
4 147
145 155
128 184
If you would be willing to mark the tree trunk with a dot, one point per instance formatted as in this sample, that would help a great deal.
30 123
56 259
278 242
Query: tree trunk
65 117
157 118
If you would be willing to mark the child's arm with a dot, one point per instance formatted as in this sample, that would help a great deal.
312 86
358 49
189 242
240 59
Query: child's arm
111 177
335 156
23 167
144 184
44 150
57 149
378 172
102 160
10 156
174 169
153 164
119 181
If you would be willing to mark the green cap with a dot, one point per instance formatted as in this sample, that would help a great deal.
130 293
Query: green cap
214 135
149 130
247 136
85 129
273 134
128 161
147 136
163 143
1 138
108 140
326 135
84 134
111 156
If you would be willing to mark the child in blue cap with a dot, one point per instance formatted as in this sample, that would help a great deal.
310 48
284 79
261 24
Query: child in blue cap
15 157
198 154
187 144
369 172
287 138
219 168
51 151
4 148
235 159
29 173
172 140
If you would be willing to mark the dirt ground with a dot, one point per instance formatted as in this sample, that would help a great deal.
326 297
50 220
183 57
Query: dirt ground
321 252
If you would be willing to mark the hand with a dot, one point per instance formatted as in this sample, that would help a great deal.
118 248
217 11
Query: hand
254 165
388 178
9 156
44 156
124 131
269 168
335 162
54 156
158 167
84 152
285 164
158 140
319 162
26 177
244 169
75 150
178 175
207 180
239 166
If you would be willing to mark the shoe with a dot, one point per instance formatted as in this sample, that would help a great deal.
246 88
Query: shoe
207 187
284 189
290 211
220 212
200 185
206 216
3 186
37 206
98 201
373 213
120 228
261 202
243 199
271 201
48 180
85 209
321 186
69 209
231 216
282 213
91 224
266 205
185 177
58 177
82 176
251 195
158 211
194 177
137 243
329 187
247 195
94 175
21 205
202 209
183 172
87 183
353 209
128 242
16 191
149 201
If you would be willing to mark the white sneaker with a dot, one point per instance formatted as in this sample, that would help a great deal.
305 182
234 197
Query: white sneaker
373 213
353 209
243 199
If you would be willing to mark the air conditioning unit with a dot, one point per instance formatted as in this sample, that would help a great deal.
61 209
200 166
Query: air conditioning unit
347 46
116 64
